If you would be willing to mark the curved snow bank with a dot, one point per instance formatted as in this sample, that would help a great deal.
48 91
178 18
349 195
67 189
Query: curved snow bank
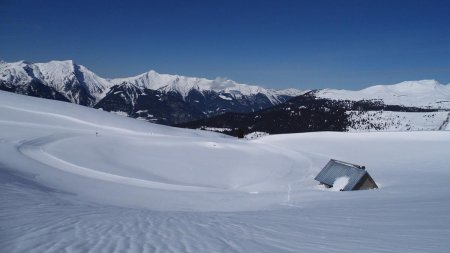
35 150
148 162
184 174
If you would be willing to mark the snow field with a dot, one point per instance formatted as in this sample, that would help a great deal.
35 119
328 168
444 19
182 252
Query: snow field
140 187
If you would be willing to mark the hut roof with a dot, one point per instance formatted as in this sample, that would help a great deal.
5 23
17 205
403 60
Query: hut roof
336 169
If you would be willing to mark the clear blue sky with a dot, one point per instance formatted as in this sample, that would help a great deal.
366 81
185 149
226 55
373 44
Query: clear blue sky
276 44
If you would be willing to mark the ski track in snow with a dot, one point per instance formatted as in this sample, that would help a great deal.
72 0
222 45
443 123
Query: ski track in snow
156 189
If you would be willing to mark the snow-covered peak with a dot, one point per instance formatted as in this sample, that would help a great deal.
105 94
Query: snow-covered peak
154 80
56 73
60 75
16 72
183 85
422 93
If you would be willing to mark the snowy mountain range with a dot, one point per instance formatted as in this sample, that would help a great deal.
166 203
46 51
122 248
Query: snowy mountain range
177 100
160 98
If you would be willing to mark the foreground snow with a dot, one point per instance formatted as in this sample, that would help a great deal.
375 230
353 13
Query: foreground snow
140 187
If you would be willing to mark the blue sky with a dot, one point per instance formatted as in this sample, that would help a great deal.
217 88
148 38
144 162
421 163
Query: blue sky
276 44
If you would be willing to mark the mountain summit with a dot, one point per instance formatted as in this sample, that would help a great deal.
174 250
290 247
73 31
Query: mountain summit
75 83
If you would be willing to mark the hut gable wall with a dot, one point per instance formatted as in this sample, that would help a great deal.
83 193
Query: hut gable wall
366 183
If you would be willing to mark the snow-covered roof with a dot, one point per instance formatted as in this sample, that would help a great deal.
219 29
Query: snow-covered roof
337 169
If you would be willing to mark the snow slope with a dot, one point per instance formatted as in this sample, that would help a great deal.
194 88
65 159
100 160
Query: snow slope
362 121
144 159
423 93
140 187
